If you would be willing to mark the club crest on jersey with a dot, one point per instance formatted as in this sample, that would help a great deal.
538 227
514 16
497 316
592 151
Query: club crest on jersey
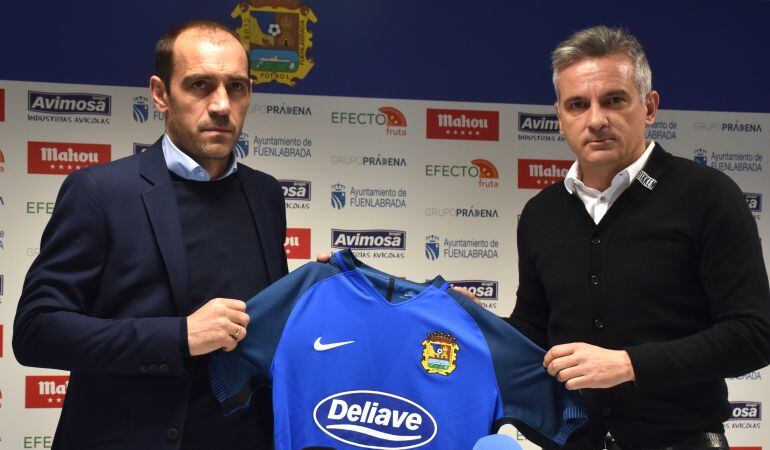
439 353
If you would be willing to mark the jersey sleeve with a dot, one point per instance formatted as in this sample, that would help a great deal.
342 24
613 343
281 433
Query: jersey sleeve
234 375
537 404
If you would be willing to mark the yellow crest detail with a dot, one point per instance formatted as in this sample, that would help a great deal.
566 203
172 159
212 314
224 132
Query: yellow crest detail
439 353
276 35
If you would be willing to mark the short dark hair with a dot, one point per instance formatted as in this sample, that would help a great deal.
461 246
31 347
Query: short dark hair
164 49
598 42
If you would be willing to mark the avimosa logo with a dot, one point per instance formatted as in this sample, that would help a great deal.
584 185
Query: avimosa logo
65 103
538 123
482 169
61 158
369 239
482 289
541 173
373 419
463 124
46 391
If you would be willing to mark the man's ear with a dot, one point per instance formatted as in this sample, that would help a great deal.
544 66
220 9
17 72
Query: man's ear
651 104
159 93
556 107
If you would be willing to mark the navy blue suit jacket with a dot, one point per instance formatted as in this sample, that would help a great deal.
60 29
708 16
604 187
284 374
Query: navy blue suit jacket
107 298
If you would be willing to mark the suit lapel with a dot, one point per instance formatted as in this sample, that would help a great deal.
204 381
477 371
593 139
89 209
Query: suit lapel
160 203
258 204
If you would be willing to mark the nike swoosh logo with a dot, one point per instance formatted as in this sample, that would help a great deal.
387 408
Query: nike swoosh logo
318 346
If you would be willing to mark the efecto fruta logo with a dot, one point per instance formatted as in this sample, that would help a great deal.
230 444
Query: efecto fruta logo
439 353
338 196
432 249
396 124
482 169
701 156
277 38
140 109
76 108
241 148
389 117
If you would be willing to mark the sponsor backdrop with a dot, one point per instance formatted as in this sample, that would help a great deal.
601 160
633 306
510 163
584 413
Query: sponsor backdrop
416 187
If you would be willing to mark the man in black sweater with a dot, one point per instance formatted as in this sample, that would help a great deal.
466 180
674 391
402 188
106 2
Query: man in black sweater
641 272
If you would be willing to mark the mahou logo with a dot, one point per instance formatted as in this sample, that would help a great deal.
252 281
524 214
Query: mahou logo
62 158
297 244
46 391
463 124
541 173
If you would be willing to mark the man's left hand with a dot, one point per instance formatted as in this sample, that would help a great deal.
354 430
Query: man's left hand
579 365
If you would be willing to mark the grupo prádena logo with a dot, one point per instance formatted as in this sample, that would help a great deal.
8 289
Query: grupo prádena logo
373 419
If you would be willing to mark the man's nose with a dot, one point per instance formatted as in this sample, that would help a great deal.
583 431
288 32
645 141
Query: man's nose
596 118
219 101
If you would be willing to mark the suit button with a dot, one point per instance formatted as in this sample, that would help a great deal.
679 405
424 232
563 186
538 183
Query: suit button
606 411
598 323
154 368
596 240
164 367
594 279
143 368
172 434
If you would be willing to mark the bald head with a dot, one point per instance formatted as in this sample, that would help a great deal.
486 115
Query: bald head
194 31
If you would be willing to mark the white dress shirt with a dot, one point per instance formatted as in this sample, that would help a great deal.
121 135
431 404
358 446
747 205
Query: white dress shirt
597 203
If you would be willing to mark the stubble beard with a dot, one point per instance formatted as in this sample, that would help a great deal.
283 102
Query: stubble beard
191 143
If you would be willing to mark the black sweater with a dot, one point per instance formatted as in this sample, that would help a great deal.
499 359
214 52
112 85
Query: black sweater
223 257
674 275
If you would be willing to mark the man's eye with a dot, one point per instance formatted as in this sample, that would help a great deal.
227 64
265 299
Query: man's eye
577 105
199 84
238 86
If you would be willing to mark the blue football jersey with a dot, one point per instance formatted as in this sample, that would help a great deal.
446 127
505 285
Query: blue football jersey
358 358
